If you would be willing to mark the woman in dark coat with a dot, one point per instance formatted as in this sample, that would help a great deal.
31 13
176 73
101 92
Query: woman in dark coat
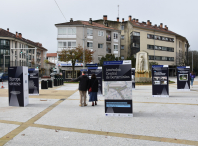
93 83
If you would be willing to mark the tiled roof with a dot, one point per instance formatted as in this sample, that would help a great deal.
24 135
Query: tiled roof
4 33
144 25
94 24
51 54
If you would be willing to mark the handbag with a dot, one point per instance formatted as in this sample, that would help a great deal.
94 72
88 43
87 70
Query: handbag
90 89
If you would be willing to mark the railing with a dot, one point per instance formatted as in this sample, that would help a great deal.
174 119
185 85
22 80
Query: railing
108 50
108 38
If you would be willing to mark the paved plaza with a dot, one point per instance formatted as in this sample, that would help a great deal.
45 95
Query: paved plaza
55 118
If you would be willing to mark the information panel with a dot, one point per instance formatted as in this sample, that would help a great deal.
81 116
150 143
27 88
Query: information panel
98 72
160 82
133 78
183 78
33 78
118 88
18 86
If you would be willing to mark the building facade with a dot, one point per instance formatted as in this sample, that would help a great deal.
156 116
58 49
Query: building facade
99 38
19 51
162 45
52 57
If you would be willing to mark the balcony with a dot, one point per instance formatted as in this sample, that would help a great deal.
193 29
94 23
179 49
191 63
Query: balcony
108 38
108 50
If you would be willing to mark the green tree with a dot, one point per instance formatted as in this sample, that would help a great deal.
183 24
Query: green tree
133 61
76 54
152 63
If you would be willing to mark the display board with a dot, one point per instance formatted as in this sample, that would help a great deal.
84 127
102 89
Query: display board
183 78
18 86
33 81
160 82
98 72
133 78
118 88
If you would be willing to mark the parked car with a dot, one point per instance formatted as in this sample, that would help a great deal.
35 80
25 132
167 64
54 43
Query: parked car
3 76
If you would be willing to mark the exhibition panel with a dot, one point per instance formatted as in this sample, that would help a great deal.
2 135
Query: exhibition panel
160 87
33 76
18 86
118 88
183 78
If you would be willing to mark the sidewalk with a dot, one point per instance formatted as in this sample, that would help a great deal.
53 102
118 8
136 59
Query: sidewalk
55 118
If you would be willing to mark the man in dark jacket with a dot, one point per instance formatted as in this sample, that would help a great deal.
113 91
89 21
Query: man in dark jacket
83 87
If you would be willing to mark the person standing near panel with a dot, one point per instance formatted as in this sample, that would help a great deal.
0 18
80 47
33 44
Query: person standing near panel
93 89
192 76
83 87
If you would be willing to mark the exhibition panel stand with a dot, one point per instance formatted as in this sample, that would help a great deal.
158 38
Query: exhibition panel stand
133 78
183 78
118 88
18 86
33 79
160 82
98 72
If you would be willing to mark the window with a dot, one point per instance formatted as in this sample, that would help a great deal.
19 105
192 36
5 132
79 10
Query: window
136 33
100 46
164 58
151 57
68 44
122 47
179 44
150 47
115 47
62 31
67 31
89 44
122 57
122 37
150 36
122 27
100 33
115 36
89 32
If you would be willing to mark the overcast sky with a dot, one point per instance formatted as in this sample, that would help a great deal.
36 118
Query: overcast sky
35 19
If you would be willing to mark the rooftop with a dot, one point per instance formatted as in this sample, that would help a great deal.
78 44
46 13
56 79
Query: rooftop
6 33
51 54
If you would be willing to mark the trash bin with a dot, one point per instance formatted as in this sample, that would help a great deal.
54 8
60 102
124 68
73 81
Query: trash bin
55 82
44 84
50 85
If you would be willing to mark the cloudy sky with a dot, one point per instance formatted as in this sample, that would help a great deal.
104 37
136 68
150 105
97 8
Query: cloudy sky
35 19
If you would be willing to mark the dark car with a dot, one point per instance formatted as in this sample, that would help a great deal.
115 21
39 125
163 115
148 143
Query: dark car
3 77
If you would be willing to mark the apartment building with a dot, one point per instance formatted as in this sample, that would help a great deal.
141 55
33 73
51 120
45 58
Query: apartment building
19 51
163 46
52 57
99 38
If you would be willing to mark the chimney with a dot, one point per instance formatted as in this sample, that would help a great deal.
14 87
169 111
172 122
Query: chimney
117 19
129 17
16 34
122 19
166 27
105 17
136 20
133 19
161 25
20 35
148 22
71 20
155 25
8 29
143 22
90 20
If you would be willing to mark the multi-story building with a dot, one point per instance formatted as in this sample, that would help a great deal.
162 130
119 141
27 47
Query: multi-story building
99 38
163 46
19 51
52 57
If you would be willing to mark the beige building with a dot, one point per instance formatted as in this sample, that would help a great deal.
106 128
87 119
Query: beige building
19 51
96 37
162 45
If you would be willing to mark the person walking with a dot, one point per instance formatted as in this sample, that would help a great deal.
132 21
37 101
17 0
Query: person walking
83 87
93 89
192 77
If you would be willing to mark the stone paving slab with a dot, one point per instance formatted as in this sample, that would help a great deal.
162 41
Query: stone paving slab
160 120
48 137
6 128
68 87
22 114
